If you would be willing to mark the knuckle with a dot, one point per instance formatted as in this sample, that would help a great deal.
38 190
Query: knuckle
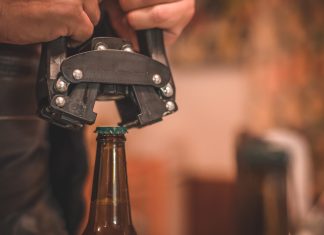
88 32
81 33
96 18
158 15
131 20
63 31
191 8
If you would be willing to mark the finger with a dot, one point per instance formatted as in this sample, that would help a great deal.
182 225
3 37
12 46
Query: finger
91 8
130 5
165 16
81 34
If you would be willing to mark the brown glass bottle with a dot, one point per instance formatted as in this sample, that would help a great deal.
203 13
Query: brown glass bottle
110 212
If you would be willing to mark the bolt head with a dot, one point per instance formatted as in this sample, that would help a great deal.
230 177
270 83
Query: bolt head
61 86
128 48
101 46
167 90
60 101
170 106
77 74
157 79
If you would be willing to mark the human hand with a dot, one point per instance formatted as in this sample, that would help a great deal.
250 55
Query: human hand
170 15
34 21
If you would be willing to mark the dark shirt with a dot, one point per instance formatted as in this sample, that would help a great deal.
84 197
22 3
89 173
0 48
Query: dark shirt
42 167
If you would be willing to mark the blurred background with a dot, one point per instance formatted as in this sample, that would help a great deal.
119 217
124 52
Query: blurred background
245 152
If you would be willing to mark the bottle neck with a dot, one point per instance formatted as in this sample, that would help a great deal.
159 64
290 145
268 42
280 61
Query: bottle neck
110 198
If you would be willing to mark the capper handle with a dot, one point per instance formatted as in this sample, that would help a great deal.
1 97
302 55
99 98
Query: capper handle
52 51
151 106
52 56
151 43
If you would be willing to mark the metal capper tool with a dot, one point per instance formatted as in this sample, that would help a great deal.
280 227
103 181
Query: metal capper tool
106 68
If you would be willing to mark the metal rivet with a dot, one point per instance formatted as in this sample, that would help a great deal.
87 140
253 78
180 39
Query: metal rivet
77 74
167 90
157 79
128 48
61 86
60 101
170 106
101 46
